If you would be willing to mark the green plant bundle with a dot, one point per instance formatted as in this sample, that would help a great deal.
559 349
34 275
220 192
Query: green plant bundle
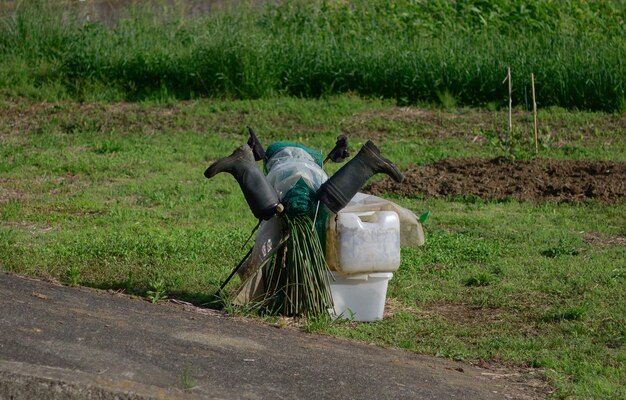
297 280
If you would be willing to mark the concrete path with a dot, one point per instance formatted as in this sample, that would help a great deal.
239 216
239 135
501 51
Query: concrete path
59 342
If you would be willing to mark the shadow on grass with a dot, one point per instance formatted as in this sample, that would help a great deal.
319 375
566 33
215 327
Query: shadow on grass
204 300
212 299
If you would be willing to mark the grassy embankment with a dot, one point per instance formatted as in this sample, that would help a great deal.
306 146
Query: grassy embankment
112 195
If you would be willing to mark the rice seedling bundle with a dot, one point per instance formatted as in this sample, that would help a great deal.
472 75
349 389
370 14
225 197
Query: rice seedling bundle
297 279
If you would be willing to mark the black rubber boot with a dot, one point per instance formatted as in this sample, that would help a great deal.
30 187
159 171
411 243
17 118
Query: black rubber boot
337 191
257 148
260 195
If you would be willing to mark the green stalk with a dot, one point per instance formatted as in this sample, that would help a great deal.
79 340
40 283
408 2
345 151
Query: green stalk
297 283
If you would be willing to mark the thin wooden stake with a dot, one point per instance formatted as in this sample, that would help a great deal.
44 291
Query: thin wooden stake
508 78
508 75
532 80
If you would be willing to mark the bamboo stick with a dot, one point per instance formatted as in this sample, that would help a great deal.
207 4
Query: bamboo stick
510 108
532 80
508 78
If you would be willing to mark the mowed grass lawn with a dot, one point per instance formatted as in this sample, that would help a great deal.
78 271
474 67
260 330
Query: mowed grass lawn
111 195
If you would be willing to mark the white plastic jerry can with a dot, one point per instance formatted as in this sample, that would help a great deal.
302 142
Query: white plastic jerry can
364 242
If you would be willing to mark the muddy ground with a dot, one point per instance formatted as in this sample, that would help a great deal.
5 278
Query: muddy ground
498 179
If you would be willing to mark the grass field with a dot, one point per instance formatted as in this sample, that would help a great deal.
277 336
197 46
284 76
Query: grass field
107 126
440 51
111 195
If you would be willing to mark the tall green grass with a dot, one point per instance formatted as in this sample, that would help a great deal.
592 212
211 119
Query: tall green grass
438 51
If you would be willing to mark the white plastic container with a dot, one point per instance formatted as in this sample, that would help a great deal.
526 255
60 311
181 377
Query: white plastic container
360 297
363 242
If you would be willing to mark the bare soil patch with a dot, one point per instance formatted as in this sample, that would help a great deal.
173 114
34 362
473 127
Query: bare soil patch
537 180
474 316
597 239
464 314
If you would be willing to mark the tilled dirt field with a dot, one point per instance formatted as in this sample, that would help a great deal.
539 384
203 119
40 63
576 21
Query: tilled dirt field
495 179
